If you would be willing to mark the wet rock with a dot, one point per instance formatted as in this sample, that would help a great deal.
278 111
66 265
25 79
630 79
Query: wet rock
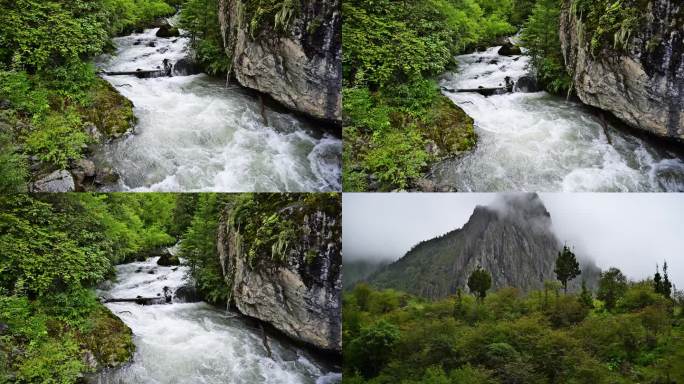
106 175
166 31
186 67
150 272
5 104
90 361
151 44
187 294
3 328
299 298
137 42
526 84
167 259
641 83
426 185
300 67
494 62
139 270
105 297
57 181
93 132
509 49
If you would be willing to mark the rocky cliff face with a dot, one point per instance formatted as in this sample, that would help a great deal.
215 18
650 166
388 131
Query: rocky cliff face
290 50
641 81
512 240
300 296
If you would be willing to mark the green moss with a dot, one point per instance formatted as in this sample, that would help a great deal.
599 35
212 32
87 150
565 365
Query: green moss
393 136
108 338
260 14
607 23
111 112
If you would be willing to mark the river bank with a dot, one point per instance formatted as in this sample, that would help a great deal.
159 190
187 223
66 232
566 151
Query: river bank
188 340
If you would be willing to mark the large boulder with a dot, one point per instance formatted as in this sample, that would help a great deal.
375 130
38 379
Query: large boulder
299 297
300 66
641 79
187 294
186 67
167 259
166 31
526 84
509 49
57 181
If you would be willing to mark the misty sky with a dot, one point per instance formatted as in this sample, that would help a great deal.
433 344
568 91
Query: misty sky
630 231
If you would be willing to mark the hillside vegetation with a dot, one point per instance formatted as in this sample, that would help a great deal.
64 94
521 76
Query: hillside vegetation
48 86
631 332
57 247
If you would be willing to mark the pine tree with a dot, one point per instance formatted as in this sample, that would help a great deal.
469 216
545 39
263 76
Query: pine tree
567 267
586 297
658 281
667 285
479 282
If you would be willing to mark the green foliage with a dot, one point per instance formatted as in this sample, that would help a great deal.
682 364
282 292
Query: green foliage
513 339
396 122
13 170
479 282
607 23
586 298
199 247
58 139
612 286
567 267
541 36
200 18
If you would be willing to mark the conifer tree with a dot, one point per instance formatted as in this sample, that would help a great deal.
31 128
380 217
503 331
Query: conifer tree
567 267
667 285
479 282
658 281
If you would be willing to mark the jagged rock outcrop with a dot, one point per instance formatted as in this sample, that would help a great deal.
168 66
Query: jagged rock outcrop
299 296
296 60
512 240
641 82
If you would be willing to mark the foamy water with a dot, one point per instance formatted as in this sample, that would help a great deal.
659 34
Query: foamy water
539 142
198 343
194 134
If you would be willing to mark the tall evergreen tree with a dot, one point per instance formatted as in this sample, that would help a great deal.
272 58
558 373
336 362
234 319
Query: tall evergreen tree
479 282
567 267
658 281
667 285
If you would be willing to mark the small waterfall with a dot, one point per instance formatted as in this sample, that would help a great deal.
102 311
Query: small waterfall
194 134
538 142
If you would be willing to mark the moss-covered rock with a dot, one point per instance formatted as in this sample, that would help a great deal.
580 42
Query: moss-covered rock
449 128
110 111
108 342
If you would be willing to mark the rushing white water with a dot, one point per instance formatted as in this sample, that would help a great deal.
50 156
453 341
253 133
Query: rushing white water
198 343
538 142
194 134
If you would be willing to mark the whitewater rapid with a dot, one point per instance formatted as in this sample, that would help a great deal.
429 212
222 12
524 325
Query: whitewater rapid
194 134
539 142
198 343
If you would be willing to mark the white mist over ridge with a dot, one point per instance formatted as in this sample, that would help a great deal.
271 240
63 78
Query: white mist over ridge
630 231
539 142
193 134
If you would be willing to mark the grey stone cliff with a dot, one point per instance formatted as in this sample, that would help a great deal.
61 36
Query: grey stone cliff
300 67
643 83
301 297
513 241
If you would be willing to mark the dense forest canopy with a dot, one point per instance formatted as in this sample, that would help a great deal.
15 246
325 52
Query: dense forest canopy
55 248
542 337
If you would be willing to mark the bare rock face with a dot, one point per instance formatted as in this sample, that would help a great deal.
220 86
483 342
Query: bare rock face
300 66
512 240
57 181
300 297
642 83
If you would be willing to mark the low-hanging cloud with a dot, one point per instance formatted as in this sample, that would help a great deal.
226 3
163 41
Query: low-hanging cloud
633 232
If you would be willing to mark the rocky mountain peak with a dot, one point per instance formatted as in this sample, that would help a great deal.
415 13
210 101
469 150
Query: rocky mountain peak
511 238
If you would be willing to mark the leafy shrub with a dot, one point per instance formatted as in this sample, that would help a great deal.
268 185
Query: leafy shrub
58 139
